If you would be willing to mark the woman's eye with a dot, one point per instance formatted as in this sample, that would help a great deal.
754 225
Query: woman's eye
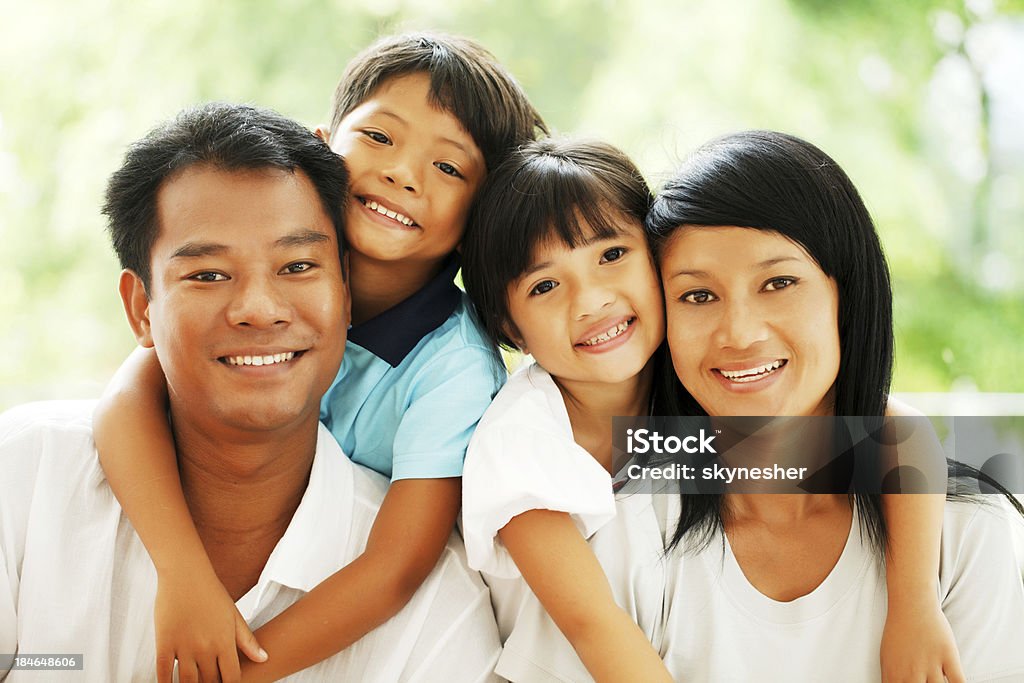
377 136
208 276
448 169
700 296
613 254
543 287
779 283
300 267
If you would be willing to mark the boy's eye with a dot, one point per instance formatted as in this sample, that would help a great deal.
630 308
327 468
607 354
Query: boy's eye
779 283
377 136
698 296
613 254
208 276
300 267
448 169
543 287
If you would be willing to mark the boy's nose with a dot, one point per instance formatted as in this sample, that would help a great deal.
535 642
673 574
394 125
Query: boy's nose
401 173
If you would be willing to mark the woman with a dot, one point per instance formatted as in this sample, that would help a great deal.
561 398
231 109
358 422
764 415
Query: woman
778 303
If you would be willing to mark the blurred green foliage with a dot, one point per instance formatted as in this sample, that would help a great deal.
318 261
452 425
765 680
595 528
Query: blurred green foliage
82 80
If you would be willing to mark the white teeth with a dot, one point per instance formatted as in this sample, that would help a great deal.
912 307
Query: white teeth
260 360
608 334
752 374
394 215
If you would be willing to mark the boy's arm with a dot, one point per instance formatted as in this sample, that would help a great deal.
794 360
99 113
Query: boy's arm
410 532
563 572
917 642
196 620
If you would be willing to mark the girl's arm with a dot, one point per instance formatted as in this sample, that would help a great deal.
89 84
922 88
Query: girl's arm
917 642
563 572
408 536
196 620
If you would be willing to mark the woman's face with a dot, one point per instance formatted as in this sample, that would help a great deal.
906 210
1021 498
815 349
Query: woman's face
593 313
752 322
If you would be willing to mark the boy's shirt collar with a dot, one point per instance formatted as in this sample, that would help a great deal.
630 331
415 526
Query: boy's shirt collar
395 332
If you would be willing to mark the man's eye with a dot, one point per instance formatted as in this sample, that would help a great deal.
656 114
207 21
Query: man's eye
377 136
208 276
448 169
779 283
700 296
300 267
613 254
543 287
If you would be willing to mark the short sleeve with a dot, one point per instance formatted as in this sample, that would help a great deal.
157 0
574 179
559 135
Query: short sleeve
982 588
513 469
447 398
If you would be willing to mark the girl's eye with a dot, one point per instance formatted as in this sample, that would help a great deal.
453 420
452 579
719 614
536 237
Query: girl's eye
779 283
613 254
300 267
543 287
699 296
448 169
377 136
208 276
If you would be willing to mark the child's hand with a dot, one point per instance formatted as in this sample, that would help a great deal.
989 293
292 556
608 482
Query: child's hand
198 624
918 647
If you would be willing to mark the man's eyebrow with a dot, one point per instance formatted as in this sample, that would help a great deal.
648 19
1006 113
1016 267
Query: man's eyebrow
302 238
198 249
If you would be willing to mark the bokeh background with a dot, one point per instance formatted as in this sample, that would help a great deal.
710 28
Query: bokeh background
921 102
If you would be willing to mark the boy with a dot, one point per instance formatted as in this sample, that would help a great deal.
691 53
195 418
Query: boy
419 120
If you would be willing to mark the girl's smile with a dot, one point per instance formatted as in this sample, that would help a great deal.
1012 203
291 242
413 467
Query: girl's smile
752 322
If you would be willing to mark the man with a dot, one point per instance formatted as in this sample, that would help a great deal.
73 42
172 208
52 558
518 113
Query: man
228 223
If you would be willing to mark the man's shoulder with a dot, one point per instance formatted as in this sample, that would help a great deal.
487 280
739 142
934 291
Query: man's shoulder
32 426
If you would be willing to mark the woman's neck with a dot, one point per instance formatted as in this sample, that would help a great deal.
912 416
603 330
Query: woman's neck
592 405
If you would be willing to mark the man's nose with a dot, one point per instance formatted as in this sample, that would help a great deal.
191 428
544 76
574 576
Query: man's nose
259 303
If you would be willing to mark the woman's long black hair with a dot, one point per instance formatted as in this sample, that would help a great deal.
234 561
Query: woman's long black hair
777 182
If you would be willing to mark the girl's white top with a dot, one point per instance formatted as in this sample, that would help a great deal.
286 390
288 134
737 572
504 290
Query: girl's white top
523 457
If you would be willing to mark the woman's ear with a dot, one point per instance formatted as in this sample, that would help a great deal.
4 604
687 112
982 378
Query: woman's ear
136 306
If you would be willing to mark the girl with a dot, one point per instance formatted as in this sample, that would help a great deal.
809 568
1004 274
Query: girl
778 303
558 265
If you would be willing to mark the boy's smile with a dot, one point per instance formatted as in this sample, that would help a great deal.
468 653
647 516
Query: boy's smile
414 172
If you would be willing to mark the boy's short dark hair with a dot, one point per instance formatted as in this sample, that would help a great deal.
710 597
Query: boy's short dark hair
226 136
557 188
465 80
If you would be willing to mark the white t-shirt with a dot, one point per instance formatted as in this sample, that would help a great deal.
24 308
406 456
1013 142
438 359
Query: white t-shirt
522 457
75 578
714 626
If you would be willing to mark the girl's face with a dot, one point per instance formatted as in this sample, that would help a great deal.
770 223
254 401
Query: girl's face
590 314
752 322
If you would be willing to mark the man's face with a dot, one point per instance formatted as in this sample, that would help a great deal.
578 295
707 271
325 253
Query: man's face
247 310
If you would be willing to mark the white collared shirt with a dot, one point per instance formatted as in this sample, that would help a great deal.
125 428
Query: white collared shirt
75 578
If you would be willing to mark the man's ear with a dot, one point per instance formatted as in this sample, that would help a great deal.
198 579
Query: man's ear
136 306
323 133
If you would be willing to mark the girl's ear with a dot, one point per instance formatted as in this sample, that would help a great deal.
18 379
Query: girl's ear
510 331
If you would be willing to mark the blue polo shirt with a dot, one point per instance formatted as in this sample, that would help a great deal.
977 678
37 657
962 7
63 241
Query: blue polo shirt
413 383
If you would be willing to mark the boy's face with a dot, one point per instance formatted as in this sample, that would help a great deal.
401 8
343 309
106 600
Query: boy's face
414 172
